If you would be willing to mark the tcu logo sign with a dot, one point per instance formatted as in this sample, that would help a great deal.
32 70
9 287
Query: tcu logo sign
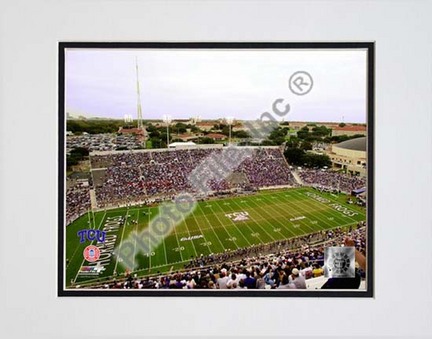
91 235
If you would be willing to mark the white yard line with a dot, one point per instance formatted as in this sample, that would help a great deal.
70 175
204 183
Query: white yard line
210 251
165 250
136 230
216 202
275 210
202 229
148 213
225 228
323 218
187 227
272 219
178 243
263 229
121 238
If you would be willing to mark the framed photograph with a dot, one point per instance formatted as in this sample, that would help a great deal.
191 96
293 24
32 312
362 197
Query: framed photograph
216 169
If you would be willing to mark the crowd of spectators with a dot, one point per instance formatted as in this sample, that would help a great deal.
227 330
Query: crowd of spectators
283 268
328 179
131 176
267 168
77 202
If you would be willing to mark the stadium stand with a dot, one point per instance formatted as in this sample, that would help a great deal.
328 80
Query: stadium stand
77 202
331 180
133 176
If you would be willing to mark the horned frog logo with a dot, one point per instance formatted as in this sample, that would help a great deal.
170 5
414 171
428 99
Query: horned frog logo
339 262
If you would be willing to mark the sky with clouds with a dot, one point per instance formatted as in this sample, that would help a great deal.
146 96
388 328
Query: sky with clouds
216 83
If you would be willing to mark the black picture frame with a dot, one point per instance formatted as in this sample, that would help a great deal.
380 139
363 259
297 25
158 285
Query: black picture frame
368 46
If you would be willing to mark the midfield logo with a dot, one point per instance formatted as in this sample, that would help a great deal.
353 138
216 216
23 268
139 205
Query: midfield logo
238 216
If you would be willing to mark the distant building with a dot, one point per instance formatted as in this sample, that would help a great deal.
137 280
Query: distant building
205 126
180 145
216 136
350 155
238 127
139 132
298 125
187 137
349 130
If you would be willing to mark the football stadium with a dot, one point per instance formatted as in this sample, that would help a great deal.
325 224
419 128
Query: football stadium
206 200
261 223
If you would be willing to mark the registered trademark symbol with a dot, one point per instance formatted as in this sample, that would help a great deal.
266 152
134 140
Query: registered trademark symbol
300 83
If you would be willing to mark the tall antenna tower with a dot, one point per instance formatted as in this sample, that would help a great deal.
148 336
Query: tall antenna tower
139 110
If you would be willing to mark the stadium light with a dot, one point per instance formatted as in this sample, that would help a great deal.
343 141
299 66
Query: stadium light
167 119
127 119
229 121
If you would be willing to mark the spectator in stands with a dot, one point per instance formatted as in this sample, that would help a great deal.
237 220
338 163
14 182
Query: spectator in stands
268 279
317 271
260 283
77 202
297 280
284 282
233 280
250 281
190 284
221 283
331 180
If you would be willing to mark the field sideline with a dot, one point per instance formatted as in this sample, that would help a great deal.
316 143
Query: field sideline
266 217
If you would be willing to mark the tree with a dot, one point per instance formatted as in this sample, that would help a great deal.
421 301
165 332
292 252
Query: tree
342 124
225 130
151 128
163 136
294 155
155 134
293 142
306 145
81 151
180 127
205 140
267 143
277 136
94 126
241 134
319 132
71 161
156 142
316 160
303 133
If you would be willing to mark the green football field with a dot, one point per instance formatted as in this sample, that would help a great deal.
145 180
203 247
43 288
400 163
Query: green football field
213 227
